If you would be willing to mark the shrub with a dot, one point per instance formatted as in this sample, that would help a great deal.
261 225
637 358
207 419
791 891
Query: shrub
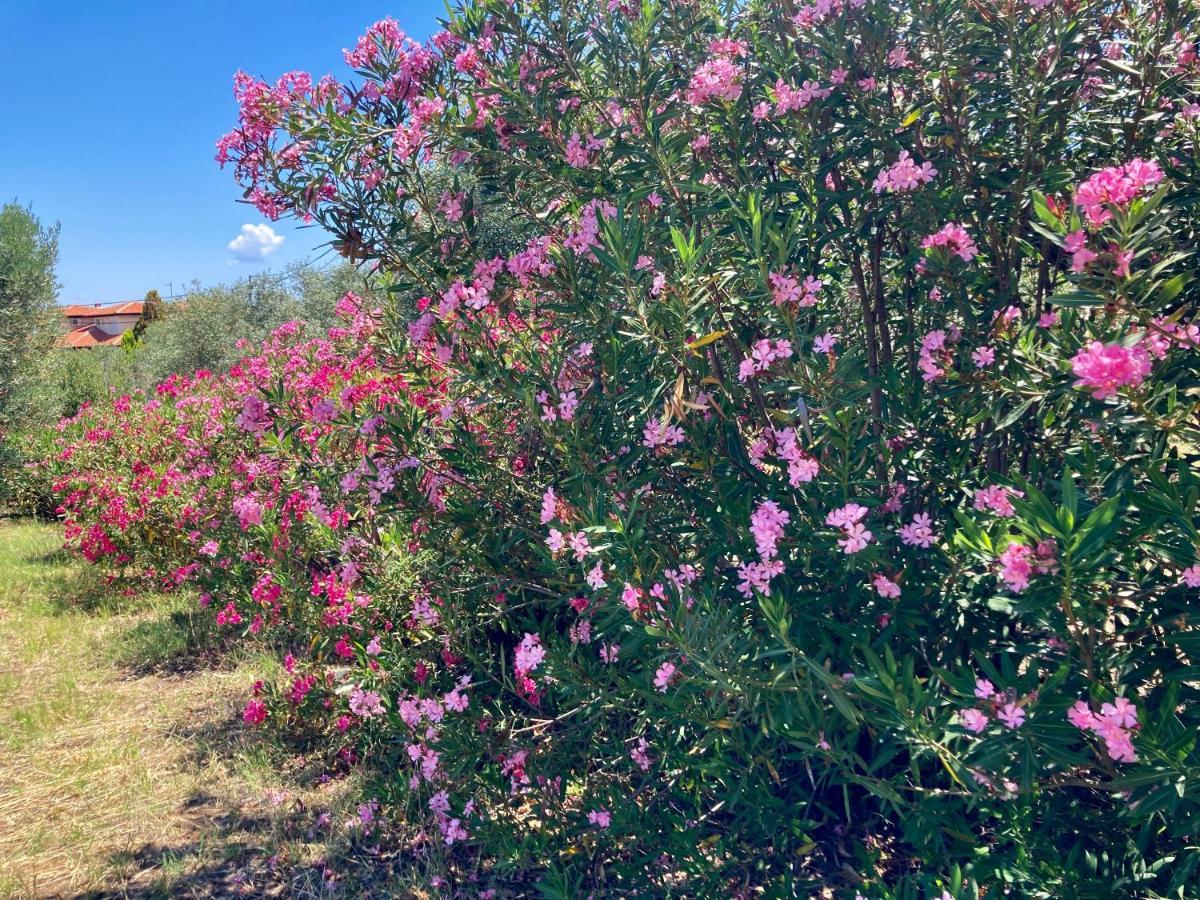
810 503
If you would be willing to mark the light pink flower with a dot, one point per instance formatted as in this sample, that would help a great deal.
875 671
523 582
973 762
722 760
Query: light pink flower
529 654
983 357
1191 576
918 532
766 525
903 175
973 720
885 586
1011 715
662 678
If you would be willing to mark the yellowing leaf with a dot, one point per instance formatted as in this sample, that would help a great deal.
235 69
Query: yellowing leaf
706 340
910 118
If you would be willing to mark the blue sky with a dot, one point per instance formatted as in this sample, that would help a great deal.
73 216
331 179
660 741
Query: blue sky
114 106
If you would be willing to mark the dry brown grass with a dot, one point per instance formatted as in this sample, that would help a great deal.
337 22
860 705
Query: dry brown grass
117 784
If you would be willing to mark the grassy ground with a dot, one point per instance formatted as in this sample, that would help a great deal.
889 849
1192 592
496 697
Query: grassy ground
124 771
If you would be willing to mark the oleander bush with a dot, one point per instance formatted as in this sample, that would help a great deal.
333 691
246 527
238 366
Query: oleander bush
808 504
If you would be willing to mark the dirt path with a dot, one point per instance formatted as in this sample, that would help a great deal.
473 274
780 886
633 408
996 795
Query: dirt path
121 772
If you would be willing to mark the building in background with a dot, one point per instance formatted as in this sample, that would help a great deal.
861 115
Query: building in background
98 325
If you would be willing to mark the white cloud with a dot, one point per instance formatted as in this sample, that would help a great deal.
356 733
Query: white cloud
255 243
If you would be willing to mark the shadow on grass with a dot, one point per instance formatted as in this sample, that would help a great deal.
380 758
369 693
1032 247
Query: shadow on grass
239 841
256 846
53 558
174 641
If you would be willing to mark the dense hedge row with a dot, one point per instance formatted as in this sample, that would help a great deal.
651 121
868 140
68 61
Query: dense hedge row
810 501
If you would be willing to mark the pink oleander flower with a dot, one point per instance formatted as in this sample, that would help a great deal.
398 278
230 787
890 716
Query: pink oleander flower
1081 716
1116 186
953 240
1016 566
451 205
1114 724
824 343
1122 259
255 416
846 516
248 511
998 499
365 704
756 576
659 433
578 153
640 755
595 577
601 818
788 290
1191 576
802 468
1011 715
885 586
1081 257
549 506
897 58
762 354
662 678
1165 335
855 538
918 532
1120 712
789 99
579 544
609 653
1103 369
934 357
984 689
453 831
766 525
717 79
529 654
255 712
983 357
904 175
974 720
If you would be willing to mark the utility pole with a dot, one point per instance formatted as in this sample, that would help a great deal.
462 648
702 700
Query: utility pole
171 290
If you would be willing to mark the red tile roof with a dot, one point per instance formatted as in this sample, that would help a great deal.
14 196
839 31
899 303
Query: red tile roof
88 336
127 308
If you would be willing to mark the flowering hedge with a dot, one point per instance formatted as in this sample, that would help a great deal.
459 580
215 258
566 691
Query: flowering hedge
810 502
